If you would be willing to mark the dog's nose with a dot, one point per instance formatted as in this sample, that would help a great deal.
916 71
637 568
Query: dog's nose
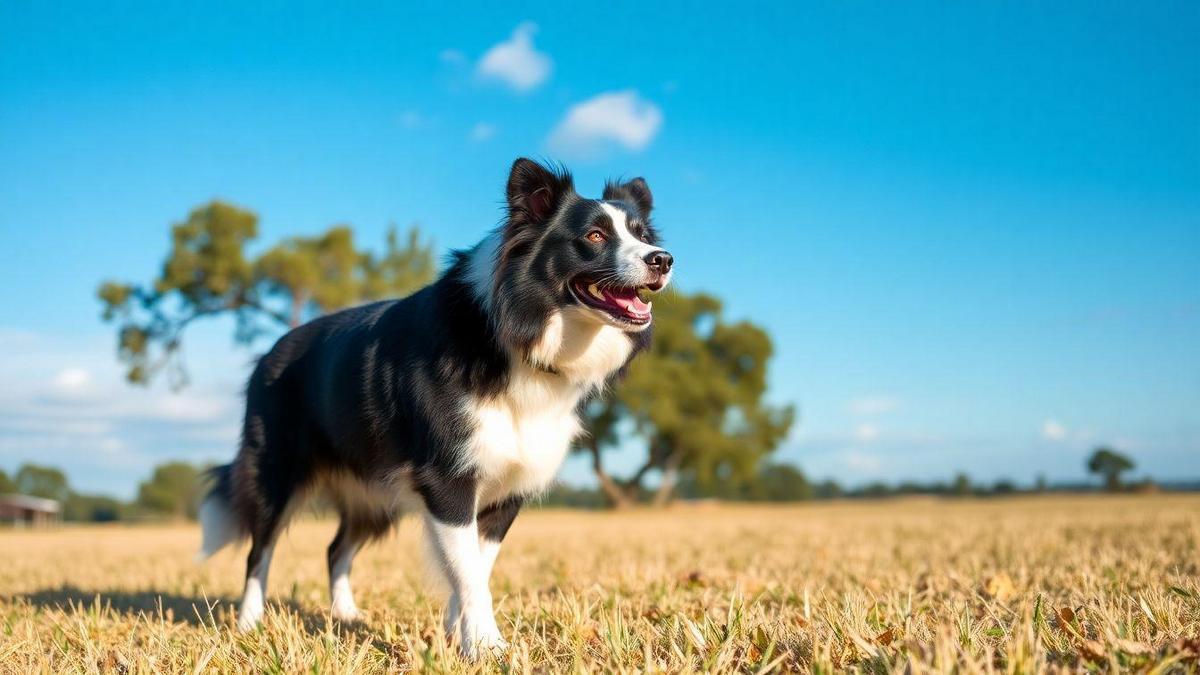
659 260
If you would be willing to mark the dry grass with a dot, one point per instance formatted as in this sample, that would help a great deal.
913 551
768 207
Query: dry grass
1018 585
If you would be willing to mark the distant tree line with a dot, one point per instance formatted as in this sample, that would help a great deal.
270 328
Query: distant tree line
783 482
173 490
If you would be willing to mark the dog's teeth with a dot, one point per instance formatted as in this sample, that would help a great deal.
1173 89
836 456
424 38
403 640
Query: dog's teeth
649 306
595 291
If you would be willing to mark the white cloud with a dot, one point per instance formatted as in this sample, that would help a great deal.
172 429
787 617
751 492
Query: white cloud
873 405
1053 431
482 131
616 117
866 432
72 382
66 403
516 62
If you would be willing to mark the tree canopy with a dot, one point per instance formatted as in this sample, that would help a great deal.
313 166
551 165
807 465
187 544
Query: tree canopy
42 481
208 273
1109 465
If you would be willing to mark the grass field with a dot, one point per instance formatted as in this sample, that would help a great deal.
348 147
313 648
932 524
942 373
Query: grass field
1019 585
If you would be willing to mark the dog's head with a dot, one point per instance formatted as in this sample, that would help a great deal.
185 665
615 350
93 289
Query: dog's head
559 250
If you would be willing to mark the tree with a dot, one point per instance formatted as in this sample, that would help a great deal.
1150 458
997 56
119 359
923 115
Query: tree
6 484
174 488
695 398
1109 464
42 481
207 273
1003 486
962 485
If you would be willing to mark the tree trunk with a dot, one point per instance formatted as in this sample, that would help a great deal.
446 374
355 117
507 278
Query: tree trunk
299 300
670 478
617 496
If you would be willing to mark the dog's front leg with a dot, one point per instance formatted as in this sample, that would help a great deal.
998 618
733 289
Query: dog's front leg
453 535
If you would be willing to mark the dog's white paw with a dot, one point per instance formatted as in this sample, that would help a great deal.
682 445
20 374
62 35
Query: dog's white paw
485 643
248 621
480 636
346 611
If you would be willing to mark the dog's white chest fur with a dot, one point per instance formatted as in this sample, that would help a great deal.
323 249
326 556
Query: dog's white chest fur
521 436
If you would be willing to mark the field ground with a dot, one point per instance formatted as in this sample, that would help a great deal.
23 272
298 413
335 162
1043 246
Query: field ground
1023 585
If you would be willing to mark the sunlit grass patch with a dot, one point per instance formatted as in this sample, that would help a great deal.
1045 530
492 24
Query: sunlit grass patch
1013 585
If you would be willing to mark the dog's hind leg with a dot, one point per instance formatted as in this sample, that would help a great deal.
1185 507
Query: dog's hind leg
352 534
258 563
257 566
267 524
341 556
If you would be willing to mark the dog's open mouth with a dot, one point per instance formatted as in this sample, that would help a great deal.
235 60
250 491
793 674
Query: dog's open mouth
620 302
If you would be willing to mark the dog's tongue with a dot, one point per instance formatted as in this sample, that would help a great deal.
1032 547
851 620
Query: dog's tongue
630 302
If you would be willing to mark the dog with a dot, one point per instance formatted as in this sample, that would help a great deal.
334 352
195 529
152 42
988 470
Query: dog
457 403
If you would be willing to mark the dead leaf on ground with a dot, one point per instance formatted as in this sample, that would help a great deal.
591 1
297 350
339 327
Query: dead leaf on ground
999 587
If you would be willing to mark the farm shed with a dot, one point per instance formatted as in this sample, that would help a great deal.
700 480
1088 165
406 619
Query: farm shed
26 511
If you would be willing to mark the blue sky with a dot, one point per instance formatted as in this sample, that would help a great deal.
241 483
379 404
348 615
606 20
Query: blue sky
972 229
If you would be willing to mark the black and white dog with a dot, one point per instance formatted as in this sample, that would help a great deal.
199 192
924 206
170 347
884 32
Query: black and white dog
457 402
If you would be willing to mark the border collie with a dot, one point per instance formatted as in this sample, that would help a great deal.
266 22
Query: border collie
456 403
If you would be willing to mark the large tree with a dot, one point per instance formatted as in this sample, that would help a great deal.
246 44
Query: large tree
1109 465
208 273
695 399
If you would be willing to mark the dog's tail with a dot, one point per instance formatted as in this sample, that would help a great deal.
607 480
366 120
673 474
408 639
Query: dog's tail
219 522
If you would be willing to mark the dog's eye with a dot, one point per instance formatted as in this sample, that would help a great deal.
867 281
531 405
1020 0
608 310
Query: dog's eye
595 236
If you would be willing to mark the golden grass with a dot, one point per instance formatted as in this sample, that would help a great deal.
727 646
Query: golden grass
1017 585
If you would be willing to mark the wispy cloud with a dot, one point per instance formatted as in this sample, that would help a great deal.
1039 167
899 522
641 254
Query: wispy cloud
866 432
66 404
619 118
482 131
516 62
1052 430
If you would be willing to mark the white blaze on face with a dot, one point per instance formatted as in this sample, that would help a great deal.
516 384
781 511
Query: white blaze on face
631 251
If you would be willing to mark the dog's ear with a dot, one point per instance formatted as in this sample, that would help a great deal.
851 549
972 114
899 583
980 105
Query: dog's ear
635 193
534 192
